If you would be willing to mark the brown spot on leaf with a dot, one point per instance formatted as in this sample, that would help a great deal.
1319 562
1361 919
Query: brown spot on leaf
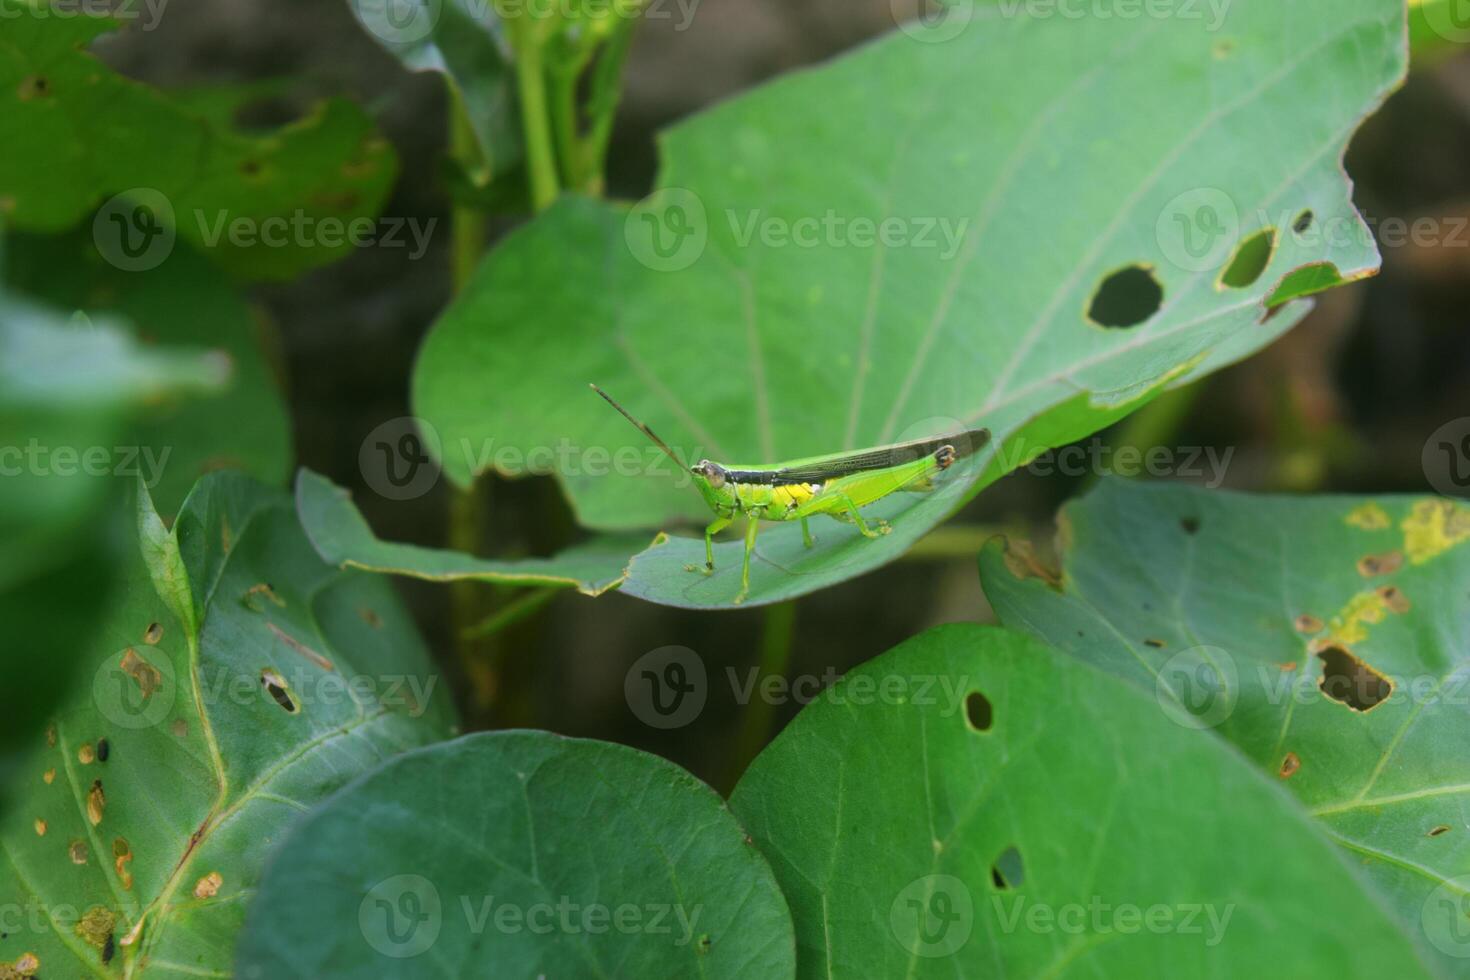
301 648
49 776
145 675
1290 765
180 728
1288 666
1443 828
86 755
370 617
95 926
275 686
1350 681
122 853
1394 598
1190 525
262 590
208 886
96 802
1389 561
153 634
40 827
1307 623
33 87
77 851
1156 644
23 967
1021 561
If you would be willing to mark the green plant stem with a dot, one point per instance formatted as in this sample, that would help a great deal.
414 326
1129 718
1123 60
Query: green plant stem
602 106
531 80
777 636
469 508
512 612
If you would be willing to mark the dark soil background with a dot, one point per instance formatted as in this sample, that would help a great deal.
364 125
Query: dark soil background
1344 403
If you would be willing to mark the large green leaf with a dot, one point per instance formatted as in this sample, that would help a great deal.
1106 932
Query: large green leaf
463 40
235 680
1058 828
75 133
1235 610
67 393
183 301
341 536
951 205
520 854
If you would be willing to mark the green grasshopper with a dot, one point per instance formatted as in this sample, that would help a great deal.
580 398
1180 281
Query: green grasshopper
838 485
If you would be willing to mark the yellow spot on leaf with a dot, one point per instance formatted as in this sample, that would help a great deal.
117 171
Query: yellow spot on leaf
96 802
40 827
1351 625
22 968
77 850
1434 527
208 886
96 924
49 776
122 853
85 754
1369 517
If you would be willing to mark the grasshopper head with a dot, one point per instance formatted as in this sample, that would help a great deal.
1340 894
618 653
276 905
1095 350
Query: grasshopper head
714 487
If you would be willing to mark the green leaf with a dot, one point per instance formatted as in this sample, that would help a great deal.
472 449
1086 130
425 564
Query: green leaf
764 324
1234 610
77 133
465 41
183 301
140 825
1061 828
342 537
67 394
478 858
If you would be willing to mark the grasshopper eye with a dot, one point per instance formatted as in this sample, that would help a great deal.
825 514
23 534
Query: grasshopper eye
711 472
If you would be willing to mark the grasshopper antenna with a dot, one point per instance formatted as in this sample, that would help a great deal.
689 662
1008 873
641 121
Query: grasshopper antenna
641 427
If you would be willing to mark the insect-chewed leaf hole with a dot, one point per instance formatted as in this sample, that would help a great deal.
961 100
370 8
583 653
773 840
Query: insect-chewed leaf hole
1126 298
978 711
1251 257
1438 829
275 686
1350 681
1008 871
1303 221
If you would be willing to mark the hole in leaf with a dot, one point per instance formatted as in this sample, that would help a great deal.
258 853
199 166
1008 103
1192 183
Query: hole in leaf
1303 221
1441 829
153 634
978 711
1350 681
1156 644
1290 765
1008 871
275 685
104 749
1126 298
1250 260
1190 525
